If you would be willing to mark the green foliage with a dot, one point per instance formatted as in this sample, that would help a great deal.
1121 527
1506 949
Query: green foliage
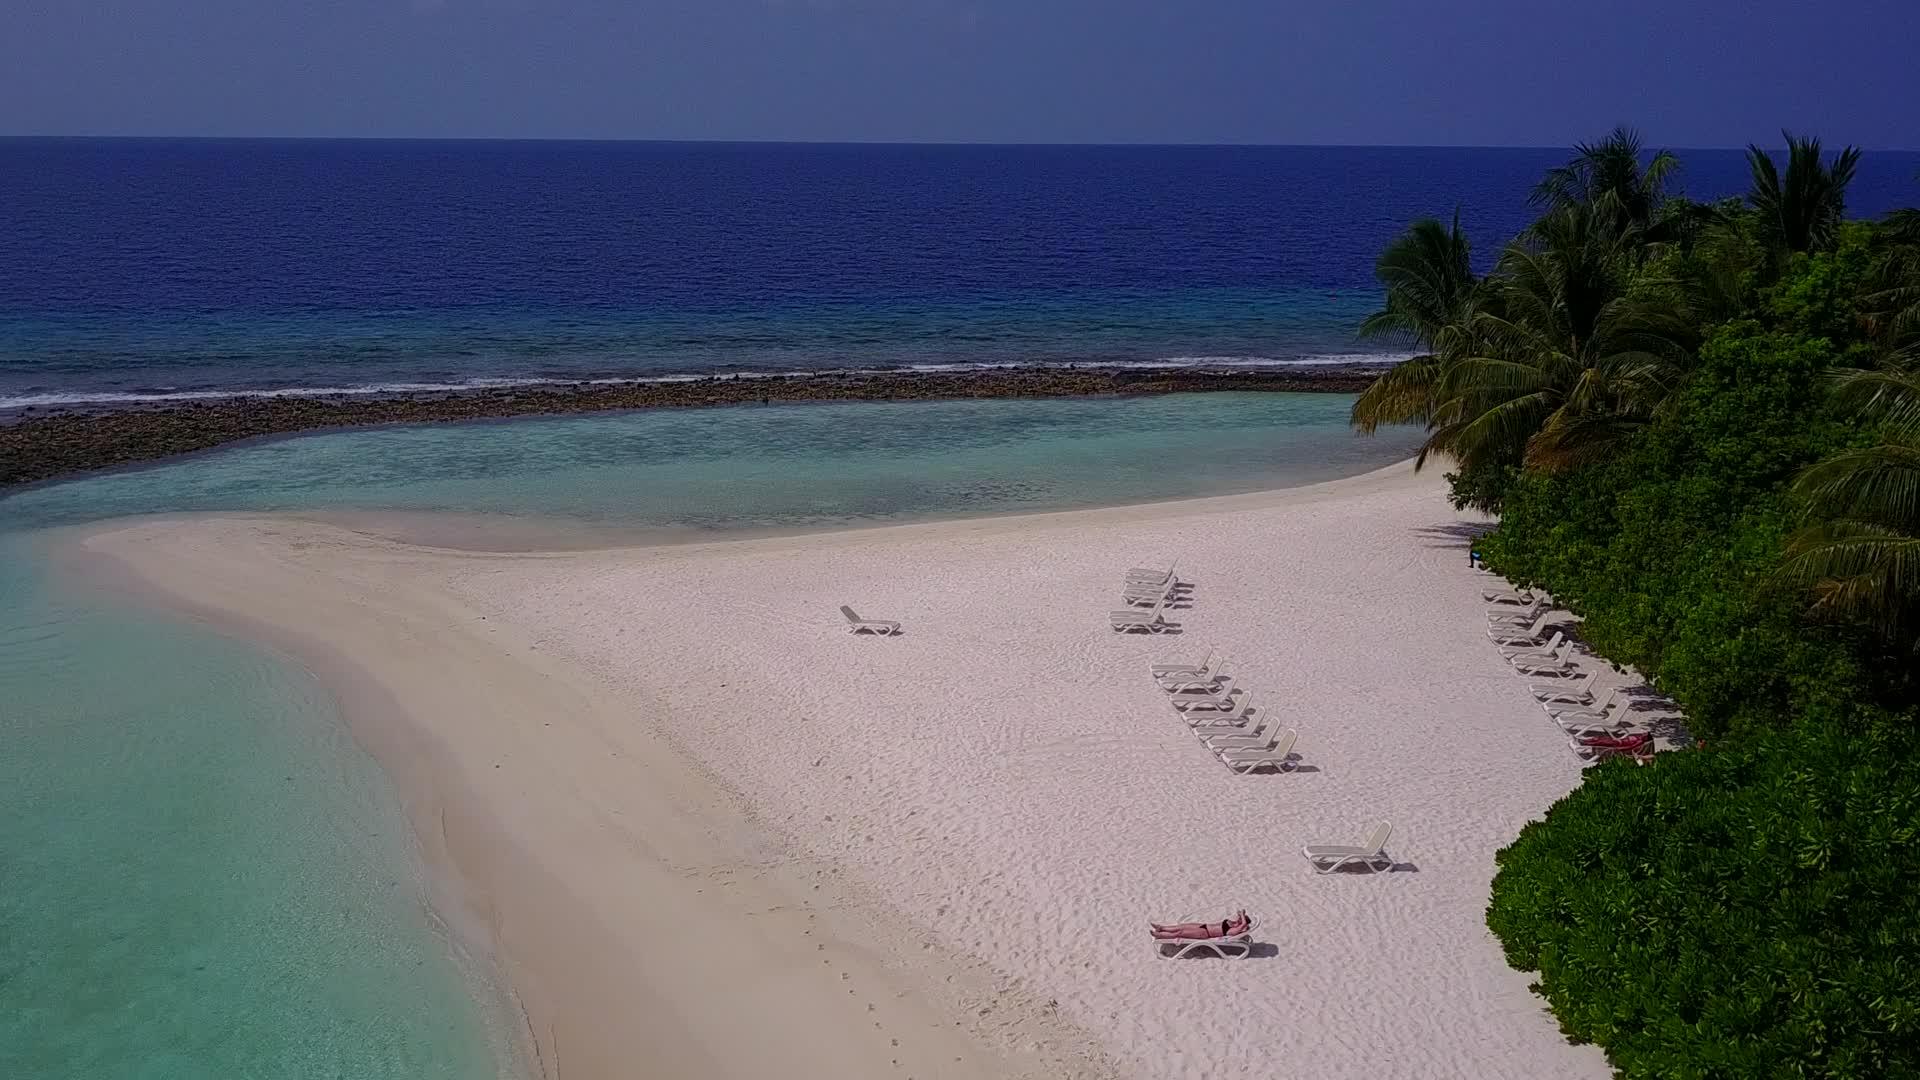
1747 910
1822 295
1482 487
1700 426
1670 551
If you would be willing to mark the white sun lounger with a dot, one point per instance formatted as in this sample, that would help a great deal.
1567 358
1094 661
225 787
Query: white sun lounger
1569 691
1519 615
1520 635
1278 754
1148 596
1328 858
1578 731
1150 621
1213 683
1563 714
1234 718
1213 674
1510 596
1216 738
1152 575
1216 696
1202 668
1555 663
1512 651
1223 947
858 625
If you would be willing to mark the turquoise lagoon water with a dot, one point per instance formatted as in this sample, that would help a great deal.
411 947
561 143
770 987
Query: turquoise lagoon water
201 876
759 467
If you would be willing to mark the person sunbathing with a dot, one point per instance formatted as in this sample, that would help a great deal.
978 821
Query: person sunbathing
1202 931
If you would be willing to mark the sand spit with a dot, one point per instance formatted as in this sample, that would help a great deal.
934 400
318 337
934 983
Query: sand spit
708 833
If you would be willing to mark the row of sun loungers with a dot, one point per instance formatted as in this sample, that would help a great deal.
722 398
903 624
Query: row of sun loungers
1596 726
1221 716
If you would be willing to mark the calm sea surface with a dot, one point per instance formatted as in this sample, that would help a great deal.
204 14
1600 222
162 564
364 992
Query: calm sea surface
166 267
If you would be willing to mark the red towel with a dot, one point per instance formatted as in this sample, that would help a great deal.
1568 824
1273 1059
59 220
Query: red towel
1617 742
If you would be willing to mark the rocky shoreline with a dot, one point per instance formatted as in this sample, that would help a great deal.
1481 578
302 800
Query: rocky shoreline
38 445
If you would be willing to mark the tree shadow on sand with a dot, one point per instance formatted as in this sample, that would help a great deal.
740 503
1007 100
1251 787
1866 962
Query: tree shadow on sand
1455 535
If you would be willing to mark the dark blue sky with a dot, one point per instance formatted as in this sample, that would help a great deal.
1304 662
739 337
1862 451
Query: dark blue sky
1472 72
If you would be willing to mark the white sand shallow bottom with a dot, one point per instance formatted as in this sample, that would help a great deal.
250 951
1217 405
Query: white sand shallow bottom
1002 784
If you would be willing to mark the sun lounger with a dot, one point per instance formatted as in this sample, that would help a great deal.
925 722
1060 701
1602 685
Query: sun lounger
1247 737
1617 729
1149 595
1520 635
1201 697
1597 711
1211 675
1511 651
1150 621
1559 663
1327 858
1510 596
1233 715
1146 575
1202 668
1568 691
1637 744
1212 684
1223 947
1519 615
1277 754
858 625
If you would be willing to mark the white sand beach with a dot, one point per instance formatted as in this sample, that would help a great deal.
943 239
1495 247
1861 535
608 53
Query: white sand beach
704 832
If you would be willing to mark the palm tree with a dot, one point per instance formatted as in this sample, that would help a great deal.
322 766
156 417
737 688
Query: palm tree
1803 210
1861 549
1429 279
1608 175
1563 362
1431 289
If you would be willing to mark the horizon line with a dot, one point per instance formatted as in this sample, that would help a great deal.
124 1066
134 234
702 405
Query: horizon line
8 137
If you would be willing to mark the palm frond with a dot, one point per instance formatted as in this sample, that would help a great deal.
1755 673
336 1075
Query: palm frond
1569 440
1873 483
1428 276
1803 209
1498 432
1859 569
1887 396
1401 395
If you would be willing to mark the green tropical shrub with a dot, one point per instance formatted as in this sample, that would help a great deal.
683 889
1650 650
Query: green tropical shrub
1748 910
1670 551
1700 426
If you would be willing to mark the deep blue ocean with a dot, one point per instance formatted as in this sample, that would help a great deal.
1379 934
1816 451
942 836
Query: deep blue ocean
136 266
